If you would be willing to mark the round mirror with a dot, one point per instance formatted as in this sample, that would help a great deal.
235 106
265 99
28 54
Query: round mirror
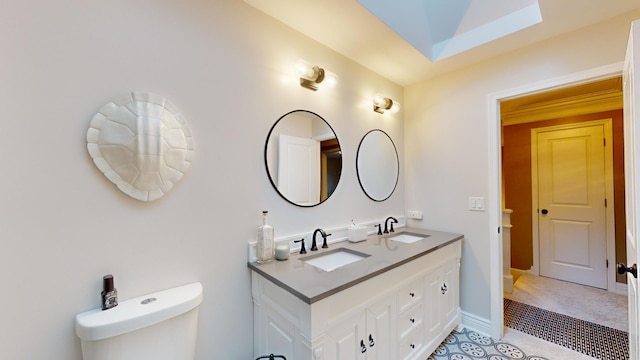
377 165
303 158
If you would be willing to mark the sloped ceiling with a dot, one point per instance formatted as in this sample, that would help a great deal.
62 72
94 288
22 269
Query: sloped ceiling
351 29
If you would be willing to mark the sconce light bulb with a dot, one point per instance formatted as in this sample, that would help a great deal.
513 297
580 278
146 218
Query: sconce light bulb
382 103
378 100
313 76
304 69
330 79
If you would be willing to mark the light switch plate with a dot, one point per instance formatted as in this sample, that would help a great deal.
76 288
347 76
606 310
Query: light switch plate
414 214
476 203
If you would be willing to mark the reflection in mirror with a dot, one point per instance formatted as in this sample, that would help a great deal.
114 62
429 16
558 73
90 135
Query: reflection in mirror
377 165
303 158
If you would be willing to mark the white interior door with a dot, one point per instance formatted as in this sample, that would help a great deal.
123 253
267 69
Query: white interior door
299 169
631 84
571 203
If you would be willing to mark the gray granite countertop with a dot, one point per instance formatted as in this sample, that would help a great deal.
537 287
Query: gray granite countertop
311 284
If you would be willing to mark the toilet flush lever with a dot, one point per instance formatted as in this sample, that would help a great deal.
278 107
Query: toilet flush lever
148 301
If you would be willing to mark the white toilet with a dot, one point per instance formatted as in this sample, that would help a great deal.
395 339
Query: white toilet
158 326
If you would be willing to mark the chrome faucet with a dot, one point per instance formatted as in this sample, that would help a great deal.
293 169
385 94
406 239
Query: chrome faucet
324 238
386 222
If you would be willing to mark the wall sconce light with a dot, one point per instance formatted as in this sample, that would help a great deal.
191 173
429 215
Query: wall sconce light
312 75
381 103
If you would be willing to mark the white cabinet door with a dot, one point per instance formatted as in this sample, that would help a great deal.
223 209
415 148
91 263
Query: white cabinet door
380 319
432 319
366 335
442 300
449 289
273 333
345 340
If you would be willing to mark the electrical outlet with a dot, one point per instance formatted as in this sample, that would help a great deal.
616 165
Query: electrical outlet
414 214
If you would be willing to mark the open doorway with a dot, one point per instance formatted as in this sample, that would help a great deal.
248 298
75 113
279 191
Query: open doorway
551 86
560 115
563 183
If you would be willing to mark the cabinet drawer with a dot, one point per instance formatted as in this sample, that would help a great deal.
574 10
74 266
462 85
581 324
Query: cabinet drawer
409 346
410 320
409 295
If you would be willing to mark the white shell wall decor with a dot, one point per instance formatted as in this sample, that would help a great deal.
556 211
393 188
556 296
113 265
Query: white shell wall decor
142 144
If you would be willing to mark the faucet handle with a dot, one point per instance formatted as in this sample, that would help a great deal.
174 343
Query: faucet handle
324 242
379 229
302 249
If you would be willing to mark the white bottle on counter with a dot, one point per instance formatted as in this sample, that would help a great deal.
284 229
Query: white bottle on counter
265 248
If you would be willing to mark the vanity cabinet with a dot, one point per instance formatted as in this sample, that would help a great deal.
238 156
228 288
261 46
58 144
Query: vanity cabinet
401 313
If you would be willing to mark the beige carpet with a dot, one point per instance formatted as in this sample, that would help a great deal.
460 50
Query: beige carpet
582 302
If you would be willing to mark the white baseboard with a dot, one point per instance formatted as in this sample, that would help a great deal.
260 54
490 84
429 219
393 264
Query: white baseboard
476 323
621 288
507 283
516 273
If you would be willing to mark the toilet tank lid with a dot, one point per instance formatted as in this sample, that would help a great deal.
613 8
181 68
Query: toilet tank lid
137 313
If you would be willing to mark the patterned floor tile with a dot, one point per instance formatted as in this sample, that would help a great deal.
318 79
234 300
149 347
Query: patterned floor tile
598 341
469 345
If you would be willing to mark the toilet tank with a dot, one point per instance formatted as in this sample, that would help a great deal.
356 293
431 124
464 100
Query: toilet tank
159 326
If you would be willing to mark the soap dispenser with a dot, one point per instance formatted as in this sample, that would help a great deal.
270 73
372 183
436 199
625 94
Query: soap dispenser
265 249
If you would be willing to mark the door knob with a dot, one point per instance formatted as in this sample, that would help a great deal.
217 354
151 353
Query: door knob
622 268
544 211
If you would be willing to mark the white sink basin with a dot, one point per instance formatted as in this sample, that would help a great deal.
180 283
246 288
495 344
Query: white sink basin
407 237
331 260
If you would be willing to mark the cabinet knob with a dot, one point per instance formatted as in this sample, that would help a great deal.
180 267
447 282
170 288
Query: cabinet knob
412 320
412 346
363 348
412 294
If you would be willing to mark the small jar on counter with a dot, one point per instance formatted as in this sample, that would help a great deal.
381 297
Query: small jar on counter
282 250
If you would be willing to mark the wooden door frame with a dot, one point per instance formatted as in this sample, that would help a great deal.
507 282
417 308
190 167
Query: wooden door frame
609 195
494 206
